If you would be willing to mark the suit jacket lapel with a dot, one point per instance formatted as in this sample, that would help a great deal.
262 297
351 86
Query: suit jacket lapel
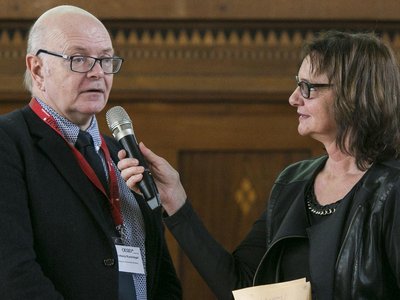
59 154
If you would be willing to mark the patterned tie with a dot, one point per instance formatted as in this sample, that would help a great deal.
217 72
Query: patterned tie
85 145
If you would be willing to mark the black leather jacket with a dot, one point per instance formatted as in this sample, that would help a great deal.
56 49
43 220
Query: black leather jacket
363 260
354 255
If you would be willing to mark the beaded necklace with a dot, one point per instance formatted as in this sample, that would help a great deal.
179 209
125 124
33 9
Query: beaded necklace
318 209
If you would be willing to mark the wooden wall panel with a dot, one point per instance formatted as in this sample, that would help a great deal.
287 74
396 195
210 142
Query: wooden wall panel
229 191
215 9
204 126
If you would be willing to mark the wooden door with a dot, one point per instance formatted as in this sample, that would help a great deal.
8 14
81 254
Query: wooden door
229 190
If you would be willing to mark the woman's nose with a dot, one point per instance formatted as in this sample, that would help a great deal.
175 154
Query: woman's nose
296 98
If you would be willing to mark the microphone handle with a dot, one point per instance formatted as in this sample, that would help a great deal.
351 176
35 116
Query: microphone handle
147 185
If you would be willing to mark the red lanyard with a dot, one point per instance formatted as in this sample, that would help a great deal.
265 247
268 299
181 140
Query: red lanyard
85 166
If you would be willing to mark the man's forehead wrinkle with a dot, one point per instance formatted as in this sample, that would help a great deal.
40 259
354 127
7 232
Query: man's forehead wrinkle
65 38
56 39
78 50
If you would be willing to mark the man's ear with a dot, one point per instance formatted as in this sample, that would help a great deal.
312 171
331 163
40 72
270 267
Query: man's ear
35 66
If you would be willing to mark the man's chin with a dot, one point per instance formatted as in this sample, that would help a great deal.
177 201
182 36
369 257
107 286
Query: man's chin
93 109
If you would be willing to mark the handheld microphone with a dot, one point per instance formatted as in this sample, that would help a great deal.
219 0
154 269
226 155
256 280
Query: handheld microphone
121 127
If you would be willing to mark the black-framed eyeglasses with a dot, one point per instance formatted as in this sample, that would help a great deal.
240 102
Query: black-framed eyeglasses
84 64
307 87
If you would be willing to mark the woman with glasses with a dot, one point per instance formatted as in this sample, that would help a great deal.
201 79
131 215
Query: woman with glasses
335 219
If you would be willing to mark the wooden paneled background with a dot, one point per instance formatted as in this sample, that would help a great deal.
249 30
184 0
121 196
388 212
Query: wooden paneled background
206 84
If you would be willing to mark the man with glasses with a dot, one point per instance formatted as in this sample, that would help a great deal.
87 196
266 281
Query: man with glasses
71 228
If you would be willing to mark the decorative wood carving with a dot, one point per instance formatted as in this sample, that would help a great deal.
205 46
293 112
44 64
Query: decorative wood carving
245 196
186 60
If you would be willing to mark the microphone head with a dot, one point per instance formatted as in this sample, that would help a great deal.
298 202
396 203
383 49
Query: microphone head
119 122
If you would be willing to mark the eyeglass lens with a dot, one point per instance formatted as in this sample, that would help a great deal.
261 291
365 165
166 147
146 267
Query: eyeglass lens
304 89
85 64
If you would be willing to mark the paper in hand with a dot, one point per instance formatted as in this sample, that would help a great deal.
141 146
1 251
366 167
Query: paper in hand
298 289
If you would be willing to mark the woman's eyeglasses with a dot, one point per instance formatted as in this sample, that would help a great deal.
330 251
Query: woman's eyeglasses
307 87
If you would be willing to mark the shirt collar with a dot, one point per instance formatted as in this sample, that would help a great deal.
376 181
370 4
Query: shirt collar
70 130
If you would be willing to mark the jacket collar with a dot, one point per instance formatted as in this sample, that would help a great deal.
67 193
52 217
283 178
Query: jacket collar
293 225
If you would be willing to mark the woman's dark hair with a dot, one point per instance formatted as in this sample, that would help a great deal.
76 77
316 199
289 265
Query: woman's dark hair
365 77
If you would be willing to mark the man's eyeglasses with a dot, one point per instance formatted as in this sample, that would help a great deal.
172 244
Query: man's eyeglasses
307 87
84 64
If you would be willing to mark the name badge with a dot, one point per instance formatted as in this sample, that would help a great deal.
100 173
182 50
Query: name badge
129 259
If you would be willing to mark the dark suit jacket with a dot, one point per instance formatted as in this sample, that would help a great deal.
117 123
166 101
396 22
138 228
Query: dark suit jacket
56 227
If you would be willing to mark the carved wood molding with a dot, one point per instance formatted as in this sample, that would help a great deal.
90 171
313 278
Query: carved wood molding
195 60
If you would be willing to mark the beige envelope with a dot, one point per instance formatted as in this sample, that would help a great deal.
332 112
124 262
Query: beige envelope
298 289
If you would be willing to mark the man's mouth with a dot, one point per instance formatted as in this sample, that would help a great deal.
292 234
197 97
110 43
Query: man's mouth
94 91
